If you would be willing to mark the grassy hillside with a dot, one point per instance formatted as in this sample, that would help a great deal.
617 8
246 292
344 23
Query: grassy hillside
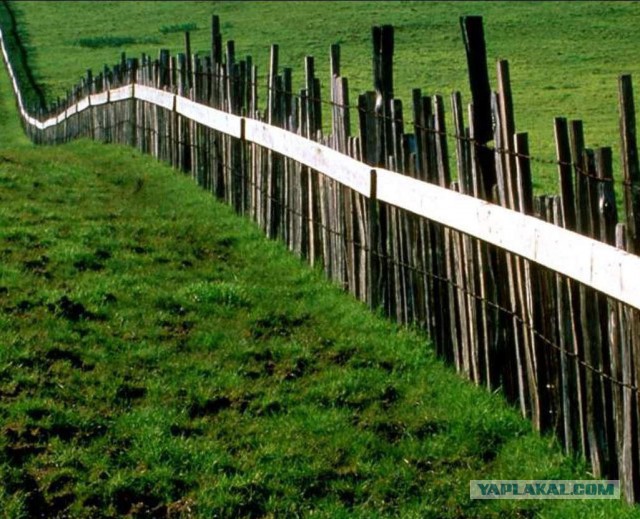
565 56
160 358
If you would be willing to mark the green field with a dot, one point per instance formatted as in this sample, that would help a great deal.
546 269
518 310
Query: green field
565 57
160 358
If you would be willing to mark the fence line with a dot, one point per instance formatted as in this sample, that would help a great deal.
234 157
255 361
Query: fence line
607 269
536 295
577 166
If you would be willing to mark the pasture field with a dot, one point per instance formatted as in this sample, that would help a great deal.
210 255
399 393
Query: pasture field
565 57
161 358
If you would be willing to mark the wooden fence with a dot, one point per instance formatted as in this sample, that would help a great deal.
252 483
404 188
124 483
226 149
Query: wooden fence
537 296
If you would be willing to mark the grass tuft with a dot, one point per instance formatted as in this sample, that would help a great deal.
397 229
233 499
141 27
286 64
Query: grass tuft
223 293
100 42
180 27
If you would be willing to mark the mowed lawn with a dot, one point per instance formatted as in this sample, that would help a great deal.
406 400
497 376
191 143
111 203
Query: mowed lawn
565 57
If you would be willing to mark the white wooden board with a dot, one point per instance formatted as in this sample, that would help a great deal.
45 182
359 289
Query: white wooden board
605 268
99 99
155 96
210 117
83 104
121 94
330 162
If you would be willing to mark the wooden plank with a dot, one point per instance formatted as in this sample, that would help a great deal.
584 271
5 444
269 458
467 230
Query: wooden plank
309 123
461 145
444 254
187 51
522 197
396 302
442 154
507 126
546 300
121 94
332 163
576 141
593 263
606 196
627 416
509 293
216 41
590 324
150 95
465 349
567 380
523 173
576 294
472 314
83 104
382 61
99 99
474 42
49 123
210 117
609 352
589 169
374 273
71 111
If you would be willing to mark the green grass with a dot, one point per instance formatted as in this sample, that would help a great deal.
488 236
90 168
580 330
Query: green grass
111 41
179 27
565 56
160 357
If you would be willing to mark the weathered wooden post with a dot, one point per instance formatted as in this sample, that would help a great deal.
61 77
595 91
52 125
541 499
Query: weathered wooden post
630 168
473 37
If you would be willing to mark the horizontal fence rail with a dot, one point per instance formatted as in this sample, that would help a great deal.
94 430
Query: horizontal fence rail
536 295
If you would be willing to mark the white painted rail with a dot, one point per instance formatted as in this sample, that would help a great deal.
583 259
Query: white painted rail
210 117
594 263
607 269
327 161
155 96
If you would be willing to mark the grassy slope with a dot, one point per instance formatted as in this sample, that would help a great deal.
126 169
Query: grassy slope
565 56
160 356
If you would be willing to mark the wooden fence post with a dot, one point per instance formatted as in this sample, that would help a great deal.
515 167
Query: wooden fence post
563 157
133 104
630 168
476 52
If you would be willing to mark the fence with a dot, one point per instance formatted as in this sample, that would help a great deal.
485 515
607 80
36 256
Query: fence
534 295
